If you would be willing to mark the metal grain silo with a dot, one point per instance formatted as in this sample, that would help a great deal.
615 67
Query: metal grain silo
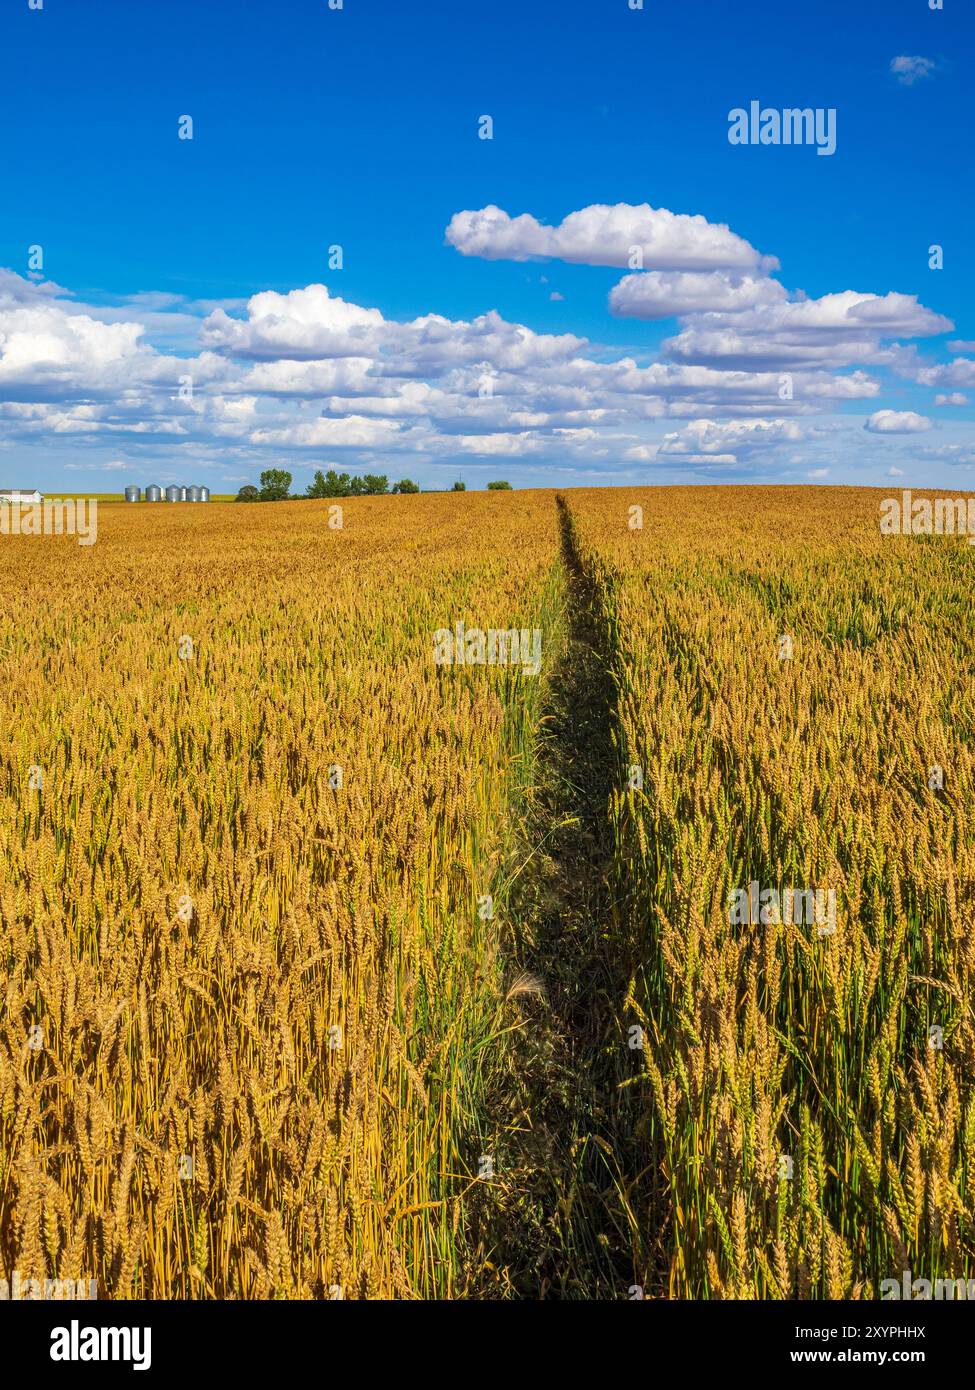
193 494
133 494
184 494
204 494
153 493
173 493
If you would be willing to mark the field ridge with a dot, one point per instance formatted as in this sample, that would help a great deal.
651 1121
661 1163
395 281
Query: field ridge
568 1226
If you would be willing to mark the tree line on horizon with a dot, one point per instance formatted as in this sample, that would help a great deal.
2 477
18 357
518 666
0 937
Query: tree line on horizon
276 486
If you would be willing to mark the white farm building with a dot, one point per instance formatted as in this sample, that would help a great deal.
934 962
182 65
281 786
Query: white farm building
24 495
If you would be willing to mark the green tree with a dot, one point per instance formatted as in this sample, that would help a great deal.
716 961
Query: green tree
499 487
459 487
375 484
330 484
248 493
406 485
275 484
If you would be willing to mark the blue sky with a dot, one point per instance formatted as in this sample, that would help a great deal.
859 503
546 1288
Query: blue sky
358 127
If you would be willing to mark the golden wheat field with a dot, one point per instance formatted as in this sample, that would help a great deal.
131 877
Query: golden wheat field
278 1014
262 995
810 1086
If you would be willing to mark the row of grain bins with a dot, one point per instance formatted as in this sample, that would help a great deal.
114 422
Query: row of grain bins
172 494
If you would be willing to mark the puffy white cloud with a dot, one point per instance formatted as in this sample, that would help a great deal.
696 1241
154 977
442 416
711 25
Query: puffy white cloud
833 331
887 313
309 371
303 324
897 422
351 432
955 398
959 455
960 372
404 400
706 438
711 386
662 294
604 235
499 445
287 377
909 69
44 418
52 349
16 289
41 342
310 326
433 344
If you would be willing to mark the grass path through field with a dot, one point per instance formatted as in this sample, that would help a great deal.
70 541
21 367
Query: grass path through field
568 1217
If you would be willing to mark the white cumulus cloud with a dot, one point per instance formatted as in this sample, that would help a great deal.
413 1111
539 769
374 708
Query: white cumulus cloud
897 422
909 69
604 235
705 437
660 294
